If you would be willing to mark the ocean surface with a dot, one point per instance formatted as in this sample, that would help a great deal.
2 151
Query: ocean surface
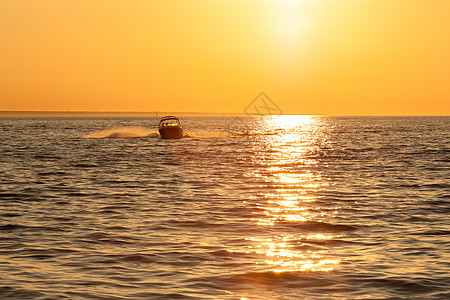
288 207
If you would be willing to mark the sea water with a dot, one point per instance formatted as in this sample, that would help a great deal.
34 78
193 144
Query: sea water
288 207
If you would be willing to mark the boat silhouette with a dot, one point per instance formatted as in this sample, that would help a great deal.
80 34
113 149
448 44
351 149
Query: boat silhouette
170 128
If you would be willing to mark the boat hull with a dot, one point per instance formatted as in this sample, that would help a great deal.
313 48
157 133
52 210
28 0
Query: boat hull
171 133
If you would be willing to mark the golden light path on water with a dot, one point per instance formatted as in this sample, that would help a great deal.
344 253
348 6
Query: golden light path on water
287 196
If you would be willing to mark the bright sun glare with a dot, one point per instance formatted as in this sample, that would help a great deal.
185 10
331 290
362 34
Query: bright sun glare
289 199
290 27
291 21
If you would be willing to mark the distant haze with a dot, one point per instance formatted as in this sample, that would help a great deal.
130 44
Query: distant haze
347 57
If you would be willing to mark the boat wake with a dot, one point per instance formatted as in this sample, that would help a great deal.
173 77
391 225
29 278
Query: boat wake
140 131
223 134
206 134
123 132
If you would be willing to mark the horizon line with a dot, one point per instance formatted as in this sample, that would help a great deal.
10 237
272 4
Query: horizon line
160 113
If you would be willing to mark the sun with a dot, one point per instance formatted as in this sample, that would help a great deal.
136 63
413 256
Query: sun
290 2
291 16
290 27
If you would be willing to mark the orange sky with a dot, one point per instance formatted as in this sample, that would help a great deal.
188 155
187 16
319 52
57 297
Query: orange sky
336 57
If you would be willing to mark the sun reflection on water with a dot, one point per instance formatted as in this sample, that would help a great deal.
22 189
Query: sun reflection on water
287 196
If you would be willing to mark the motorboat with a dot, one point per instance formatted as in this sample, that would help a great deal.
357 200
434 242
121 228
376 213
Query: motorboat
170 128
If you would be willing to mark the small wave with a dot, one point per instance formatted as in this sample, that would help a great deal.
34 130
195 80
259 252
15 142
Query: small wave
39 256
11 195
51 173
8 292
332 242
225 254
134 258
416 219
11 227
208 134
435 232
8 227
85 165
402 285
269 277
123 132
226 134
312 226
10 215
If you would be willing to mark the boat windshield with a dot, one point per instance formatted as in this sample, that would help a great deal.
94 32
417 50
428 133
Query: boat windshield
169 123
164 124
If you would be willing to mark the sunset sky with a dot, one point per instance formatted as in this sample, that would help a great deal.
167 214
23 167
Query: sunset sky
335 57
